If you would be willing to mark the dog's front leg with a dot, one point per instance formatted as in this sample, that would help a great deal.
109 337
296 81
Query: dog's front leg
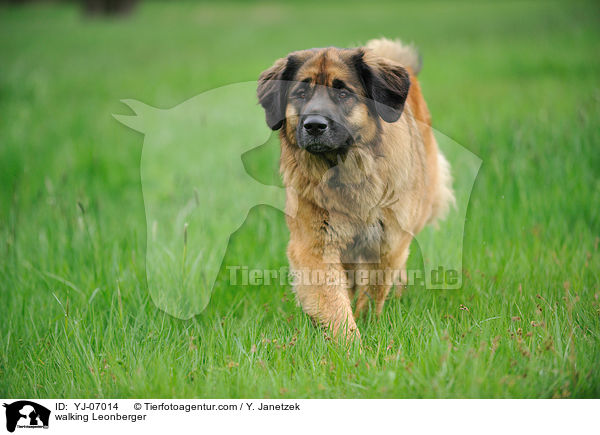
322 290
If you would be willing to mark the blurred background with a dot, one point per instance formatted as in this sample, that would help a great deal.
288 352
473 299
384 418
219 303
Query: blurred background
515 82
499 77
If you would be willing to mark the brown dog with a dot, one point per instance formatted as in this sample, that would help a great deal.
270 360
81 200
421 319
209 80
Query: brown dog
361 167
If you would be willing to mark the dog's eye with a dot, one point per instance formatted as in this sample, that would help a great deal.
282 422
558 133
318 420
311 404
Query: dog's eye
300 94
342 94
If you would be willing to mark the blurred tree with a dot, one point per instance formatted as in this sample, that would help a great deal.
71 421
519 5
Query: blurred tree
95 7
108 7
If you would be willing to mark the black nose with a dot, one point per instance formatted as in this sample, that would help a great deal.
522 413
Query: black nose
315 124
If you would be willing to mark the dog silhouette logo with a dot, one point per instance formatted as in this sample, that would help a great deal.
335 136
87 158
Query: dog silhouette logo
26 414
198 191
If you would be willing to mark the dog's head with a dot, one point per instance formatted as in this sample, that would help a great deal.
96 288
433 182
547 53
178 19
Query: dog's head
329 99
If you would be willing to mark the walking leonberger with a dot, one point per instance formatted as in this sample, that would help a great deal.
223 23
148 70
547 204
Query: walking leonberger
362 171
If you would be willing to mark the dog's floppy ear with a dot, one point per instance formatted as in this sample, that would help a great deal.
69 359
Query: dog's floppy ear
272 89
386 84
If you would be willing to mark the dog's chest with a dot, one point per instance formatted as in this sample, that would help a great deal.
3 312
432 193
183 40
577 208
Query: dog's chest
358 240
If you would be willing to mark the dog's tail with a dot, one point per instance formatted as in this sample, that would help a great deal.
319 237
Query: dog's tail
444 197
405 54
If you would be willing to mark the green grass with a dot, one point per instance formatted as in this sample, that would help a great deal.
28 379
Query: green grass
516 83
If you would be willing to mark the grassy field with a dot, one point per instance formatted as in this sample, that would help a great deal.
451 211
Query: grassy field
516 83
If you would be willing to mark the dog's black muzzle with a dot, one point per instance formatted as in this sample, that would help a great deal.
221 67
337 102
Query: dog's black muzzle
319 134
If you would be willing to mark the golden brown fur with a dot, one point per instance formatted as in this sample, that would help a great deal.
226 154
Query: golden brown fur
358 211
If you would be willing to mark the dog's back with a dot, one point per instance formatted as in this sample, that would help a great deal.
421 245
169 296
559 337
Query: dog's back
442 195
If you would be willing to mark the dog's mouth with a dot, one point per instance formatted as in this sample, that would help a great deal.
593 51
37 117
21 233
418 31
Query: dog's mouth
320 148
